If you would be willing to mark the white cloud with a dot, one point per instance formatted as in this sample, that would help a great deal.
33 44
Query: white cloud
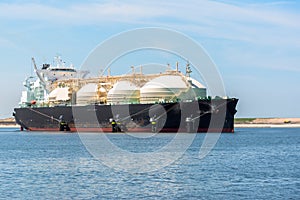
254 37
275 59
79 13
262 24
246 22
207 12
6 43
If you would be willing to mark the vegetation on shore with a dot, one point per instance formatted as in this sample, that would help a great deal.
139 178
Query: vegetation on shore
244 120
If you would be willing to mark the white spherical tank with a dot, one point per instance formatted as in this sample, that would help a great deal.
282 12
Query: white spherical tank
59 94
196 91
163 89
123 92
87 94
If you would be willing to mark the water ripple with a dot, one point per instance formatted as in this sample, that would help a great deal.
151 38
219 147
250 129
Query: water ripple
251 164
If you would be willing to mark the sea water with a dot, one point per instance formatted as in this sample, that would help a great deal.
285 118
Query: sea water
253 163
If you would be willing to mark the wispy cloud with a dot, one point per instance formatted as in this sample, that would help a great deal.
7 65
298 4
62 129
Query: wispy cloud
261 60
6 43
79 14
211 12
261 24
251 41
246 22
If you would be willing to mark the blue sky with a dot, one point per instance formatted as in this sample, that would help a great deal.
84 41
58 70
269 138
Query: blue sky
255 44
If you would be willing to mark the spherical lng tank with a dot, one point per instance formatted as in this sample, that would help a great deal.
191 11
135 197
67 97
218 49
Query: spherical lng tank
123 92
163 89
87 94
196 91
59 95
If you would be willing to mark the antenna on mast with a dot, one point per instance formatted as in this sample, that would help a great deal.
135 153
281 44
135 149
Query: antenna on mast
188 70
168 67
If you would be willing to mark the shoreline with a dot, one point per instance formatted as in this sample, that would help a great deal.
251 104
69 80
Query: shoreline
239 123
266 125
10 126
235 126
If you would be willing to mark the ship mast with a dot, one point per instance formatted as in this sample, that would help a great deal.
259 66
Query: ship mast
188 70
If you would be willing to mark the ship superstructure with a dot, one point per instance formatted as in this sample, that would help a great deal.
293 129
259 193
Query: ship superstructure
39 87
69 87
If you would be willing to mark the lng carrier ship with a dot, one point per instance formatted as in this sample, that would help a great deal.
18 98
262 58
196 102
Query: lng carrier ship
61 98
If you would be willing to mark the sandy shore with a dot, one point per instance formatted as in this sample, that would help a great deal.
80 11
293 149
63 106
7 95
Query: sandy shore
8 123
269 123
10 126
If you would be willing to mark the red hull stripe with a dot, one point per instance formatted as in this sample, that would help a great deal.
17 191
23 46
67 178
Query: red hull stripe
139 130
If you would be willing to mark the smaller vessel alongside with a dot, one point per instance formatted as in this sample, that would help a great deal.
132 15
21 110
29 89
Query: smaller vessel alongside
61 98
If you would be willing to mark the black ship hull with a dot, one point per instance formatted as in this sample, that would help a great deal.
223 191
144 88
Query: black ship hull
216 115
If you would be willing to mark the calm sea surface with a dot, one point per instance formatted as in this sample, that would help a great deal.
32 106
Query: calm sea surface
254 163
